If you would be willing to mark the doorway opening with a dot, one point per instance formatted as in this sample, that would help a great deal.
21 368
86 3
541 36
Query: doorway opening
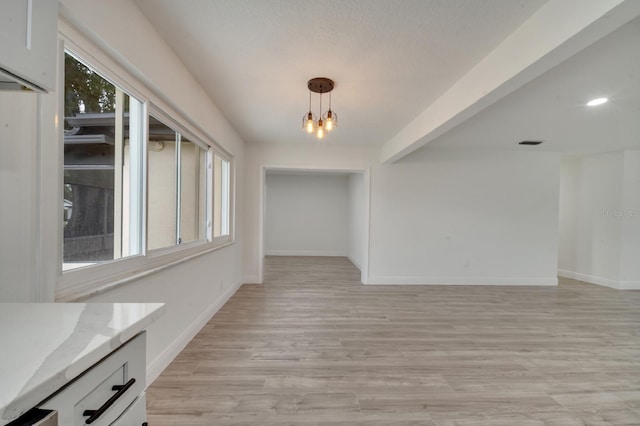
315 212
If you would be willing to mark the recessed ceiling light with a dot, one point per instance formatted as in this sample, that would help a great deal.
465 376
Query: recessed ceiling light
598 101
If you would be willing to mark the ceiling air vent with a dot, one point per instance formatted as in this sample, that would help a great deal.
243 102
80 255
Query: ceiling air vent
530 143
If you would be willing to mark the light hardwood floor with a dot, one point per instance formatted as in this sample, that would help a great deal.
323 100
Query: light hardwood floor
312 346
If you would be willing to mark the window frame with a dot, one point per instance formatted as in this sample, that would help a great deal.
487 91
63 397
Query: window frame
167 120
83 282
230 191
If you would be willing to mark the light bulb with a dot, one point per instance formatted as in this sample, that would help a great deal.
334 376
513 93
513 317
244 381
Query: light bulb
309 125
329 125
320 133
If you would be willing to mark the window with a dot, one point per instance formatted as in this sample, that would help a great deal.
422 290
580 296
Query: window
192 223
177 187
221 197
102 192
134 181
161 193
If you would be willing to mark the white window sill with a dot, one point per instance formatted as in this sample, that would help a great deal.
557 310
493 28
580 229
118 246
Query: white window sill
73 265
88 280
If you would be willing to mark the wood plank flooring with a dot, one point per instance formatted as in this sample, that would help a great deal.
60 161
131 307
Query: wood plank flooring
312 346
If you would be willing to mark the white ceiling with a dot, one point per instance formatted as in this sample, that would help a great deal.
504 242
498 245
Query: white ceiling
389 59
552 107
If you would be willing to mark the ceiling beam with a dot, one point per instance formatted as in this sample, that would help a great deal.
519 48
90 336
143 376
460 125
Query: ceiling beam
557 31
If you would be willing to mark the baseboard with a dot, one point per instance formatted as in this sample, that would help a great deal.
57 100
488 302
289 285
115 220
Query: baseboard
629 285
352 260
252 279
605 282
305 253
502 281
162 361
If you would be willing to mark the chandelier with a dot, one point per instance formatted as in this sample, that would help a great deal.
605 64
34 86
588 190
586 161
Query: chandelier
327 121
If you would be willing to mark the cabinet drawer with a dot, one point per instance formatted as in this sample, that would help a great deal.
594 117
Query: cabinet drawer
103 392
135 415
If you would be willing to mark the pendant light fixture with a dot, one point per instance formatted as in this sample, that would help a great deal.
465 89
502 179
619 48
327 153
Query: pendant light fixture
327 121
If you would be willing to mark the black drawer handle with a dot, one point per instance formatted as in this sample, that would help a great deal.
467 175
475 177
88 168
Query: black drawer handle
95 414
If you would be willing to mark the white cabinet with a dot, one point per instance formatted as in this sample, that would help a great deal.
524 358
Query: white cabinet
109 393
28 41
133 414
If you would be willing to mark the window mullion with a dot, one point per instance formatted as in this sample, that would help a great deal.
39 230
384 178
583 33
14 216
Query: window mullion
118 164
224 198
136 176
209 196
178 186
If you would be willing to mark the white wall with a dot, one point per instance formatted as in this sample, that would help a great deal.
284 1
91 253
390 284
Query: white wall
18 146
448 217
630 244
307 214
144 53
465 217
568 212
192 290
591 186
357 219
307 155
598 236
600 219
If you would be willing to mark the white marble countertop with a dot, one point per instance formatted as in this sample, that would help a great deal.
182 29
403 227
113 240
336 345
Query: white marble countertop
43 346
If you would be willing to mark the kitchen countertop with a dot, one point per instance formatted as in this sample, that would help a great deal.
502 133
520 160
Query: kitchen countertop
43 346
